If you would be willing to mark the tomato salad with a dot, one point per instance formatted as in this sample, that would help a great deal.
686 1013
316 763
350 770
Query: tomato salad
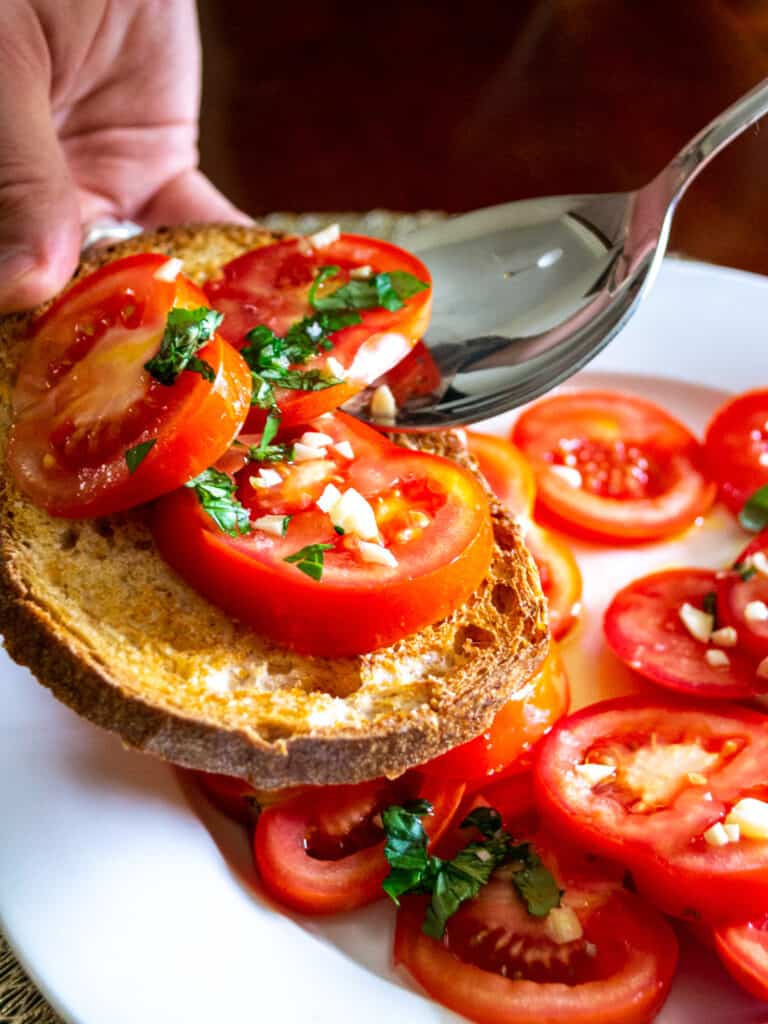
536 866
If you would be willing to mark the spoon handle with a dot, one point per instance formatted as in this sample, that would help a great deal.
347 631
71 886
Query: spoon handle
710 140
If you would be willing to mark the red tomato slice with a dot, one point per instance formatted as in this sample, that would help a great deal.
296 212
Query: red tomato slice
643 628
83 398
323 852
271 285
736 447
237 798
517 727
506 470
739 601
560 578
679 768
743 949
431 514
499 965
414 376
611 466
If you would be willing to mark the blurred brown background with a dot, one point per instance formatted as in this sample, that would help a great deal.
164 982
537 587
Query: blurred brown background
348 106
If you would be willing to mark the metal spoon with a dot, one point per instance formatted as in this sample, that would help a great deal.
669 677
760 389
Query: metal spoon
526 293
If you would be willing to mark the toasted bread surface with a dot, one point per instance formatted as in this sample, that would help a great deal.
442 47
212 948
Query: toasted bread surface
103 622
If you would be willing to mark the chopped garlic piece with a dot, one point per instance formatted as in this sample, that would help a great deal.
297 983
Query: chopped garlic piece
271 524
266 478
717 659
716 835
698 623
594 773
344 448
328 498
756 611
562 925
335 368
170 270
733 832
377 554
361 273
725 637
355 515
759 562
751 816
326 236
314 439
383 405
568 474
306 452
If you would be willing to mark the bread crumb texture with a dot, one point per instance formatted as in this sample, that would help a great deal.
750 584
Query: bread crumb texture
101 620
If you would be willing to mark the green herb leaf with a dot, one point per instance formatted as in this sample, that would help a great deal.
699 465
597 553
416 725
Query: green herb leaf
200 366
310 559
265 451
536 884
709 605
486 820
216 493
754 515
405 848
388 290
745 571
322 275
136 455
461 879
186 331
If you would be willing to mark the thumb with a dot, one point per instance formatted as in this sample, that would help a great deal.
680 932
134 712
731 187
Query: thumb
39 213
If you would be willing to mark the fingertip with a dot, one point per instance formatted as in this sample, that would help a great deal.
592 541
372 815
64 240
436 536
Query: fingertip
31 272
191 197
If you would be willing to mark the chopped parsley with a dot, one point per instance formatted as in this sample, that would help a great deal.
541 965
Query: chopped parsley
310 559
216 493
754 515
186 331
136 455
452 882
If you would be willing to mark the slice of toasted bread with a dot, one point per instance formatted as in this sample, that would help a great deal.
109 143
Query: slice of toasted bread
103 622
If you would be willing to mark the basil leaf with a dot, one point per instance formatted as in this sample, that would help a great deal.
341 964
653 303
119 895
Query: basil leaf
389 290
265 451
322 275
310 559
216 493
745 571
461 879
536 885
754 515
136 455
200 366
486 820
186 330
709 605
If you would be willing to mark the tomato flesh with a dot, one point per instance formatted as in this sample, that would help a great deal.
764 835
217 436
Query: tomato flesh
735 595
736 446
271 286
612 466
679 767
498 965
743 949
442 554
323 851
517 727
506 470
643 628
560 578
83 397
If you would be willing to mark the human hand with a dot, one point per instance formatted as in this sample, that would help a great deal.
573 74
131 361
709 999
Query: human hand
98 118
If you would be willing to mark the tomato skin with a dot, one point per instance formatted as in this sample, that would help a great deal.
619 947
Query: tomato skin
354 608
734 594
662 845
560 576
643 948
643 629
192 421
642 471
743 950
310 885
517 727
270 286
736 447
506 469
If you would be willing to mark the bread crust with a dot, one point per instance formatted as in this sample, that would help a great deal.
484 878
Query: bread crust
101 621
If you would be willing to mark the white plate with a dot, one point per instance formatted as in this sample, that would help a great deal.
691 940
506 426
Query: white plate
116 896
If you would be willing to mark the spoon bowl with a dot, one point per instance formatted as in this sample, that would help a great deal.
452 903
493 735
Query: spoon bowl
527 293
